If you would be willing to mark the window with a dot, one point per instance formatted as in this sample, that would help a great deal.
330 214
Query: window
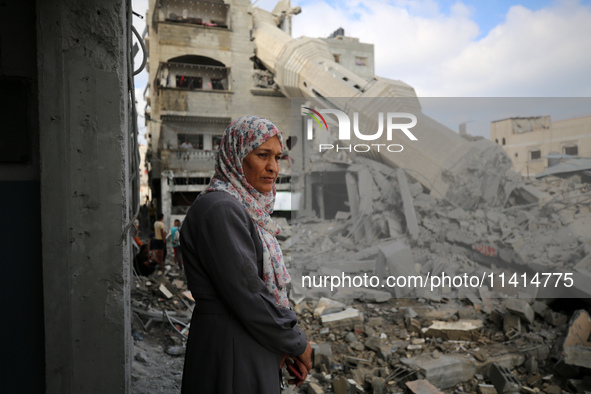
360 61
535 154
516 154
497 141
503 140
572 150
337 58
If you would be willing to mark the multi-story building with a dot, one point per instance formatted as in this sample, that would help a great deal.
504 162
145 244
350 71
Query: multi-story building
204 72
533 142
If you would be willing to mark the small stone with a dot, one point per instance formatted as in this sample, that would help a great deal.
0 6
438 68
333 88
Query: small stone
553 389
175 350
141 356
480 355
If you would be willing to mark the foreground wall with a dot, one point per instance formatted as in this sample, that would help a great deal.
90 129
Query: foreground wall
85 195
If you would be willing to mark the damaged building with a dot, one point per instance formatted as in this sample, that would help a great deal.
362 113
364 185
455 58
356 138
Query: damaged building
204 71
447 206
536 143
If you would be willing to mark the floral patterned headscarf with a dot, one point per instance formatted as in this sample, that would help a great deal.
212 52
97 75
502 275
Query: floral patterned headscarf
240 138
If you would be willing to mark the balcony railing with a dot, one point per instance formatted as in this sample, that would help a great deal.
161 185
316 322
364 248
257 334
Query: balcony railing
192 77
196 13
191 159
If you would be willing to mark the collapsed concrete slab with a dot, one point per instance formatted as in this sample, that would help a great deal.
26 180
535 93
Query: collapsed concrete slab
461 330
345 319
445 371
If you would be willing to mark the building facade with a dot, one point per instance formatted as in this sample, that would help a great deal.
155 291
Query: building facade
203 73
533 142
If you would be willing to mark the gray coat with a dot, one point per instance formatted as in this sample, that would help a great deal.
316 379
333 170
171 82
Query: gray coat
237 333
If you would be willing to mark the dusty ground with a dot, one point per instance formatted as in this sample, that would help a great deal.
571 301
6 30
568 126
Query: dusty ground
154 371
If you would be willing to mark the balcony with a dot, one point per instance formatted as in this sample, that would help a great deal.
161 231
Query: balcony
197 13
189 159
193 76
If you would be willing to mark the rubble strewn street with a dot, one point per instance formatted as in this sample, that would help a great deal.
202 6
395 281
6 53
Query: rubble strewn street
383 339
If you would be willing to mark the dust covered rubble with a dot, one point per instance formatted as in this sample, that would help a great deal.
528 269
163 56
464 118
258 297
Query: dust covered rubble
450 337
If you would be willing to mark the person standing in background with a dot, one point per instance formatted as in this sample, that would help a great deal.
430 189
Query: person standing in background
160 238
175 235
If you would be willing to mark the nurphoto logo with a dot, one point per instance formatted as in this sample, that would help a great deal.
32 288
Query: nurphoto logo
392 123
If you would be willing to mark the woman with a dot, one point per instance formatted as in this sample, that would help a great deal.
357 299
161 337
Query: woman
242 326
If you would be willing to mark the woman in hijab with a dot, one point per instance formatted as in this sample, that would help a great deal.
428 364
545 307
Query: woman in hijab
242 327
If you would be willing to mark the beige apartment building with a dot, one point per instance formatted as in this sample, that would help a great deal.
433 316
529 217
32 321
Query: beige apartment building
532 143
203 73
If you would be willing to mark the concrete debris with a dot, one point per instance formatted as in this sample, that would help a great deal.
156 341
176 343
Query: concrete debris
461 330
483 339
503 380
327 306
345 319
577 348
445 371
520 308
407 203
422 387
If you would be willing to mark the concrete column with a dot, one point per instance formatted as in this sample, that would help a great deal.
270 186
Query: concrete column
166 200
207 142
84 137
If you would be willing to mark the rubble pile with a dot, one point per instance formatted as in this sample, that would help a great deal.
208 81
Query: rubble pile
383 339
544 227
486 338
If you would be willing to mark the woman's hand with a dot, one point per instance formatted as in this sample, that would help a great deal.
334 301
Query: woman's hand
306 358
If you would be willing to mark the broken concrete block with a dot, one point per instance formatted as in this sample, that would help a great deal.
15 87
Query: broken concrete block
577 348
497 315
487 389
555 319
178 283
341 215
372 295
413 325
410 312
342 386
165 291
539 308
503 380
445 371
520 308
422 387
322 355
351 338
382 350
394 227
327 306
314 388
345 319
397 258
375 321
461 330
466 313
409 209
553 389
512 326
578 355
531 365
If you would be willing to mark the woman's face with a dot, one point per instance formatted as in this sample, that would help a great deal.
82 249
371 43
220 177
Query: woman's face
261 166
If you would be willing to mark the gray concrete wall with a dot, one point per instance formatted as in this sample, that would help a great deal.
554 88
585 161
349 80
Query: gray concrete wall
85 197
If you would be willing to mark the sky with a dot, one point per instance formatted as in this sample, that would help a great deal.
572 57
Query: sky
467 48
